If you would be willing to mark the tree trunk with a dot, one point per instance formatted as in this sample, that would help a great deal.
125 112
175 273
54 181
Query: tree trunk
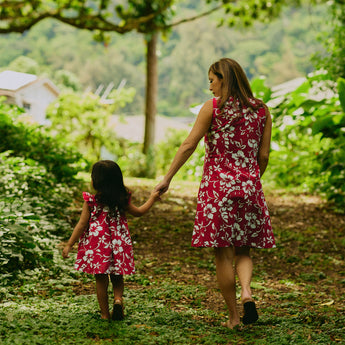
151 92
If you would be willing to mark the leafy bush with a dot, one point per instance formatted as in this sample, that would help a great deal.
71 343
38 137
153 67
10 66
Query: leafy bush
33 141
134 163
166 150
83 119
308 138
32 211
36 175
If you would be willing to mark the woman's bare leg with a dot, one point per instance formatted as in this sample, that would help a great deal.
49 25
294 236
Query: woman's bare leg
227 282
244 269
102 283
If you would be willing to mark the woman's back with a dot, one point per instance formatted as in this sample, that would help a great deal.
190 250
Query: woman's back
234 137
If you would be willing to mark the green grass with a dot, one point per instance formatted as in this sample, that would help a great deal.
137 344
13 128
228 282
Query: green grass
173 298
151 319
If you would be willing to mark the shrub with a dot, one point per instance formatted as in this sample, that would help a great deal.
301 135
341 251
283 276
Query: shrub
309 139
33 141
32 211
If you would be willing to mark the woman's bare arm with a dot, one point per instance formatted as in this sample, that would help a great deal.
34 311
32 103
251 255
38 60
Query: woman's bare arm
200 128
265 143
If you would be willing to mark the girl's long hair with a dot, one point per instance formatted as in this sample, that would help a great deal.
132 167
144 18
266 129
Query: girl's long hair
234 84
107 180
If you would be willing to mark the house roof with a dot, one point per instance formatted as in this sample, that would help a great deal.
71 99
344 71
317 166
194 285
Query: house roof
10 80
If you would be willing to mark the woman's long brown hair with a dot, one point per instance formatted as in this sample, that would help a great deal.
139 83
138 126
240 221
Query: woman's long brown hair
234 83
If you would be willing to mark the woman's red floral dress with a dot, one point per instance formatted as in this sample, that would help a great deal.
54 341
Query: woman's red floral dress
231 209
106 246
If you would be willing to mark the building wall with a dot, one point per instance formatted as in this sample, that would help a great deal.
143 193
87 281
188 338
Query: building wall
35 98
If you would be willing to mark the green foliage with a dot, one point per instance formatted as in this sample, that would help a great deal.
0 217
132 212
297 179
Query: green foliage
134 163
36 175
246 12
332 58
83 120
166 150
280 51
33 141
24 64
67 80
308 139
341 91
32 206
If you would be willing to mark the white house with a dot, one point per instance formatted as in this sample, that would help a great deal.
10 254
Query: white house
29 92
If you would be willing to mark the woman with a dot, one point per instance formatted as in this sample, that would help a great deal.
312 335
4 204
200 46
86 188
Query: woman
231 213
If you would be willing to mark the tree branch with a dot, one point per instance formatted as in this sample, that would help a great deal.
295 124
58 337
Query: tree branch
190 19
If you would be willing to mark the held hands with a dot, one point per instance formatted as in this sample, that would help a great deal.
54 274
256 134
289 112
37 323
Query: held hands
155 195
162 187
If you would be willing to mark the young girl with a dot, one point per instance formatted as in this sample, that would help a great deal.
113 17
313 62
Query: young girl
105 247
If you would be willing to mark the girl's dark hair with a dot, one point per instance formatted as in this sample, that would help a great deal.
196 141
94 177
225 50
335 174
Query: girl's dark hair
107 180
234 83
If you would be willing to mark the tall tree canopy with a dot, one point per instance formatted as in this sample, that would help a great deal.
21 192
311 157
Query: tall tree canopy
148 17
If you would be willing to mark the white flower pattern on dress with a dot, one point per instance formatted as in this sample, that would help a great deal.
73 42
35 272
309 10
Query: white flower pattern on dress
106 246
231 209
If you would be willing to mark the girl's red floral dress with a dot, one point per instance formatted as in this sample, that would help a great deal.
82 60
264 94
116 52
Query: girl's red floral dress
106 246
231 209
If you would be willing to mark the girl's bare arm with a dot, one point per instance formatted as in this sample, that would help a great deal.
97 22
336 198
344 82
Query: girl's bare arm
139 211
78 230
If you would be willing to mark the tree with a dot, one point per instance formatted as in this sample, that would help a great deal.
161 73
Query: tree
333 59
83 120
149 17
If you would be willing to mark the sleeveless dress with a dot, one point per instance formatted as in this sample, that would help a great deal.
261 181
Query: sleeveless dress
105 246
231 208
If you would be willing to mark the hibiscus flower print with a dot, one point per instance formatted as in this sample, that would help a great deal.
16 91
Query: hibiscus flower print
209 211
248 187
226 180
95 229
88 256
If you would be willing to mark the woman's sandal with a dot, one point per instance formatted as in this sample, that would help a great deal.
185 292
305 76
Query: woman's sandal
118 314
250 312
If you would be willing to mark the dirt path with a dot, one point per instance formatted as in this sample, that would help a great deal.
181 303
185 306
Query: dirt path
309 254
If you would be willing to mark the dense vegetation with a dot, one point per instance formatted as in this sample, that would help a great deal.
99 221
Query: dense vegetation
40 186
37 179
280 51
308 149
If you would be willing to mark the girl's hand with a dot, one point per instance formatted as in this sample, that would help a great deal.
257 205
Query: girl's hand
66 251
156 195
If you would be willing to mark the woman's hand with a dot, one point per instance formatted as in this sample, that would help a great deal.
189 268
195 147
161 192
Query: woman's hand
162 187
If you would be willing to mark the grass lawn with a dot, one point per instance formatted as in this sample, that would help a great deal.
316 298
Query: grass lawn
173 298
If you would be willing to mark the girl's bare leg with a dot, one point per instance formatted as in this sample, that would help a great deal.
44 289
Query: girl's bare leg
244 269
102 283
118 285
227 282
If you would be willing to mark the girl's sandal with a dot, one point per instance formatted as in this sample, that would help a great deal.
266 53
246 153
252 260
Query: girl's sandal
118 314
250 313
